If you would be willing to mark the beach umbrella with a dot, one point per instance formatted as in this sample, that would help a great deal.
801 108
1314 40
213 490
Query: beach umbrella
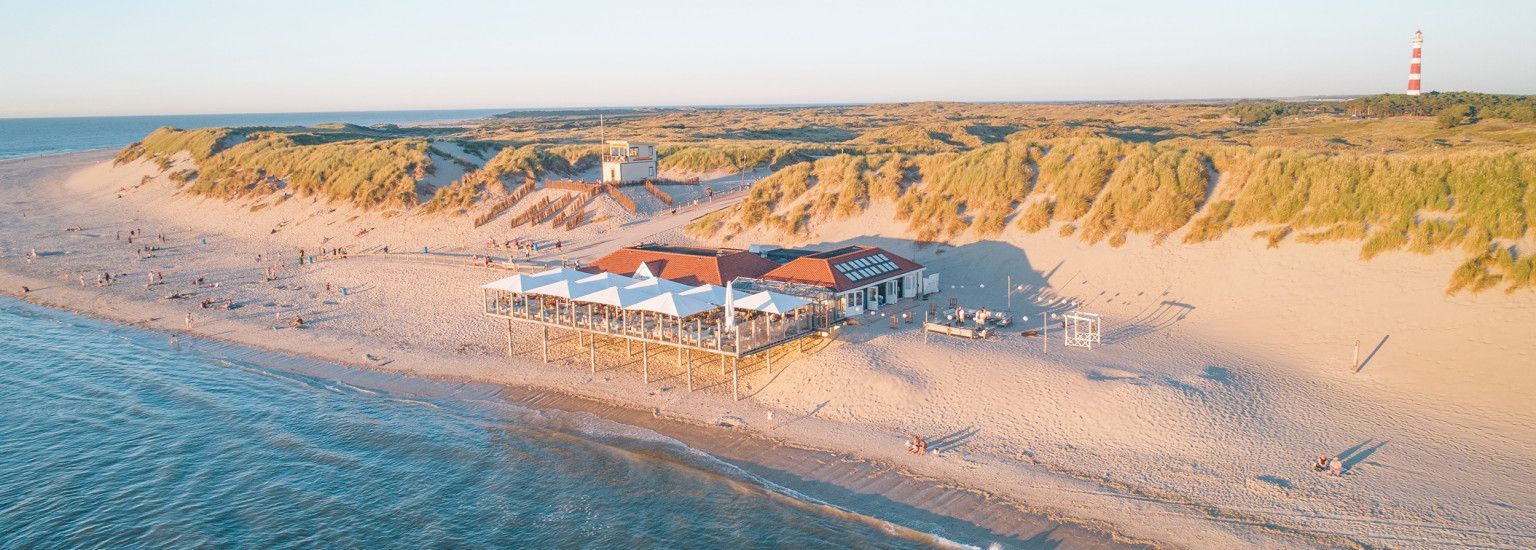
772 302
671 303
714 294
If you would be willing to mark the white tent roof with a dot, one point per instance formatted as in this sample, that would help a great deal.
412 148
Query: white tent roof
520 282
660 285
671 303
771 302
714 294
558 273
611 279
617 297
566 289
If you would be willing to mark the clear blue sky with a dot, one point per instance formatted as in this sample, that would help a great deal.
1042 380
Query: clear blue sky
174 57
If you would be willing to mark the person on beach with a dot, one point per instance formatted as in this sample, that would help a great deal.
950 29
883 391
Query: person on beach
298 322
189 320
25 290
918 446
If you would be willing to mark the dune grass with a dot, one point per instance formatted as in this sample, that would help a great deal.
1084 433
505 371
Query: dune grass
1100 172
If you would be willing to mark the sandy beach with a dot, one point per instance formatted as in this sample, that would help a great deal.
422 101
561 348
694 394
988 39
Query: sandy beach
1227 367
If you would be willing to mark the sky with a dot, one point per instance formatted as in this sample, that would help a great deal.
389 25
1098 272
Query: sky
84 58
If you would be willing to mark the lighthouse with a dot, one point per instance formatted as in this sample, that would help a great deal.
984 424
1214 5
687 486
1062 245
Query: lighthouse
1413 64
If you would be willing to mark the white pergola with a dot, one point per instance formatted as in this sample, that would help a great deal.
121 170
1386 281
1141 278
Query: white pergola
709 318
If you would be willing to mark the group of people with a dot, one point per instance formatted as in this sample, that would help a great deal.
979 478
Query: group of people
979 315
917 446
527 247
1330 465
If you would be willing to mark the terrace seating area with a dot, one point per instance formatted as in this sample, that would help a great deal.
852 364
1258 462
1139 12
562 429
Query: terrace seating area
650 309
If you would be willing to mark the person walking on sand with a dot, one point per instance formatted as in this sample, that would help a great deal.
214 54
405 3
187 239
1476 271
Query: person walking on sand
189 320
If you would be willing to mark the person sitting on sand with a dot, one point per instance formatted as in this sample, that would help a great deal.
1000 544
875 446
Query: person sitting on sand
298 322
25 290
1321 465
1335 467
918 446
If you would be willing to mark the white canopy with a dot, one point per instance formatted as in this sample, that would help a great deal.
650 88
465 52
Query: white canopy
520 282
660 285
772 302
567 289
671 303
558 273
607 278
617 297
714 294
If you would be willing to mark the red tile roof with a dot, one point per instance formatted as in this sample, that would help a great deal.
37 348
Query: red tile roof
687 265
819 270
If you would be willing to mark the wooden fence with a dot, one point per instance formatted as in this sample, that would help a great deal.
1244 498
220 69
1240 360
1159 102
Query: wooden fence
505 203
665 198
623 199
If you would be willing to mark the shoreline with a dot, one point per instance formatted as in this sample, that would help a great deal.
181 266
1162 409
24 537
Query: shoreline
773 461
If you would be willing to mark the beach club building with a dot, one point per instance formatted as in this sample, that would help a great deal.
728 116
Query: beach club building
738 305
863 278
860 278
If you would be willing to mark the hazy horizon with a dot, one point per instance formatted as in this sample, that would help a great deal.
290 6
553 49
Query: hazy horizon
186 58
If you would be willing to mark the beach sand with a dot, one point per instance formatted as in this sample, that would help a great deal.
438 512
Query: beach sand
1226 367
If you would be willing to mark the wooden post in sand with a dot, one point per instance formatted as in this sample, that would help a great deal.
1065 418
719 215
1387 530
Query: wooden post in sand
690 369
592 351
645 361
768 360
1356 364
1045 331
722 364
509 337
735 393
546 344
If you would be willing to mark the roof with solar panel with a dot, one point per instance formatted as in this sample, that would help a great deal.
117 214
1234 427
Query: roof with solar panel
845 268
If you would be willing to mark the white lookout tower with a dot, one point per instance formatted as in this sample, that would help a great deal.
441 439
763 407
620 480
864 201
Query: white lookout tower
627 161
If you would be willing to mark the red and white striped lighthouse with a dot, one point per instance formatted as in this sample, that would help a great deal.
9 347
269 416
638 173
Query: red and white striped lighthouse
1413 65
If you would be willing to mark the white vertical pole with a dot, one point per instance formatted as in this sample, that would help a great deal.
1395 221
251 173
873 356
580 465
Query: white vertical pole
645 361
735 392
592 351
1357 355
1045 331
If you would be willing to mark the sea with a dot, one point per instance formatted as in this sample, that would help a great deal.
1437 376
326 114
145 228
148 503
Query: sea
117 437
25 137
